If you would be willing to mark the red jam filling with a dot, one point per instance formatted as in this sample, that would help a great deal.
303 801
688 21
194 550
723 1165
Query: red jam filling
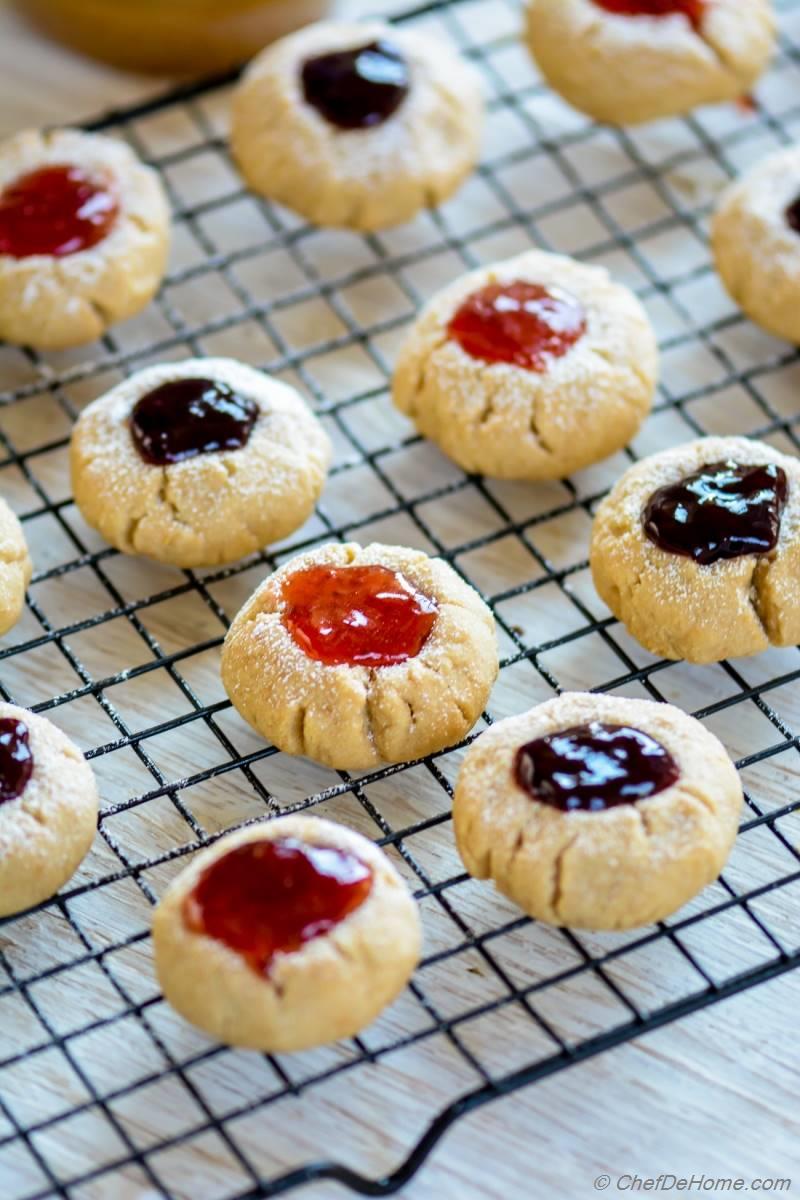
56 210
692 9
16 759
361 616
590 768
271 897
187 417
724 510
521 323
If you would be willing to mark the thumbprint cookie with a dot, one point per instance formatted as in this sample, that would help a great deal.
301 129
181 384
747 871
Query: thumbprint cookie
597 812
697 550
197 463
15 568
48 809
357 125
529 369
755 235
356 656
286 935
629 61
84 235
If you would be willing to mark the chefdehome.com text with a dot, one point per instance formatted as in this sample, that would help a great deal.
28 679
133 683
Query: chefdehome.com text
691 1184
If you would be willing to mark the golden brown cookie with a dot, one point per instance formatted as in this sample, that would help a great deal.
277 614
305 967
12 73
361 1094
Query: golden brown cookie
48 809
356 656
357 125
626 67
529 369
198 462
703 564
15 568
755 235
286 935
597 812
84 235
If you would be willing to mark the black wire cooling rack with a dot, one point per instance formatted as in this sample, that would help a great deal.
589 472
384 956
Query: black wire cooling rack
99 1083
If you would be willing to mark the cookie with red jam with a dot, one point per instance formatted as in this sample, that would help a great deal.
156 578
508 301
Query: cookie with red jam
356 656
532 368
84 236
286 935
629 61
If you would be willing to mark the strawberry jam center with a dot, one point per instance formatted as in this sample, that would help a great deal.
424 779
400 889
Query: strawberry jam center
16 759
56 210
524 324
692 9
589 768
271 897
362 616
187 417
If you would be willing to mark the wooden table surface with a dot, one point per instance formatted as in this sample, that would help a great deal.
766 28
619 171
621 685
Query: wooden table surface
715 1094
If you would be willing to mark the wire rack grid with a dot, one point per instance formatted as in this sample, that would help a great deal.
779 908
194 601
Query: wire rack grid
103 1091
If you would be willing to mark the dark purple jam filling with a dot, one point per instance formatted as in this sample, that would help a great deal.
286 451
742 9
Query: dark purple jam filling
16 759
725 510
187 417
590 768
793 215
359 88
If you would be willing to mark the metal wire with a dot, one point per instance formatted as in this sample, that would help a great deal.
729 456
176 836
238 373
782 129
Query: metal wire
622 198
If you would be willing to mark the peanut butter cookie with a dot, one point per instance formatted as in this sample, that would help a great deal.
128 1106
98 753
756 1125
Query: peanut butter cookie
356 656
755 235
48 809
529 369
357 125
84 235
198 462
697 550
286 935
15 568
628 61
597 812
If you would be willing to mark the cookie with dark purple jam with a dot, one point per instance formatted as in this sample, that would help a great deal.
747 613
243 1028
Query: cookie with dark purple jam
697 550
598 812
